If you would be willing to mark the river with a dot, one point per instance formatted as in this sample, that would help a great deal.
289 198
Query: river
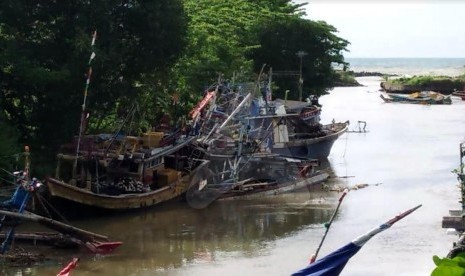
406 157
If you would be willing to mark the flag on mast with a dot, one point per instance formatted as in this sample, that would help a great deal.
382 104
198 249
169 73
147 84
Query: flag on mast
333 264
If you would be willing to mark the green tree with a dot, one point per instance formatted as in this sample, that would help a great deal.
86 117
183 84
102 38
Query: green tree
9 149
44 48
281 40
222 36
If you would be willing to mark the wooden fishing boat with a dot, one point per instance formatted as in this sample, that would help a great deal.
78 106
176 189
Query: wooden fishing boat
260 188
13 209
290 129
310 145
124 172
423 97
255 177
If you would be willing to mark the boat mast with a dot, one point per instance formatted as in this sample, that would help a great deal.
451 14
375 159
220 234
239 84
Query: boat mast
86 89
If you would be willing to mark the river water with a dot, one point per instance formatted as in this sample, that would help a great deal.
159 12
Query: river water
406 157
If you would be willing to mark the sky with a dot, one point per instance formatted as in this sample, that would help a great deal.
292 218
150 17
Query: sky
410 28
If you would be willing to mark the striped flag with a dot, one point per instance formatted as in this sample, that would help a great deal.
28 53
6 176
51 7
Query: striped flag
333 264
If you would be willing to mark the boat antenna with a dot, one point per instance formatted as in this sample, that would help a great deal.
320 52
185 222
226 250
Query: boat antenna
86 89
27 164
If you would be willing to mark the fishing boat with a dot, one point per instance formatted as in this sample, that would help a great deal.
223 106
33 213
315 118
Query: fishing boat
286 128
311 144
123 172
12 212
296 130
423 97
460 94
237 133
255 177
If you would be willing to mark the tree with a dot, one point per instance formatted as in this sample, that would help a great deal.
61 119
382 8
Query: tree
222 36
282 40
44 48
9 149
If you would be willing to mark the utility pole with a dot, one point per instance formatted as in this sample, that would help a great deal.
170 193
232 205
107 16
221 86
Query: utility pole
300 54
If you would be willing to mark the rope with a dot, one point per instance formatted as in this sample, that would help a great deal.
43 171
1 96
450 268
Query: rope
345 146
16 155
42 200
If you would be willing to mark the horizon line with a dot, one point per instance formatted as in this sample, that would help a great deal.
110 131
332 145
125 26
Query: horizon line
463 57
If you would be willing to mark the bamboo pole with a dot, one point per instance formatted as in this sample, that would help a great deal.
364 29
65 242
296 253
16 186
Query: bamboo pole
56 225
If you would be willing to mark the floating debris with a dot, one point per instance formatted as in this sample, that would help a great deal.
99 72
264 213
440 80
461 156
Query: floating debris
361 128
351 188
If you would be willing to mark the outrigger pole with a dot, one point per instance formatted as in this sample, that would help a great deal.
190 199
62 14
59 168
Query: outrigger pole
334 263
86 89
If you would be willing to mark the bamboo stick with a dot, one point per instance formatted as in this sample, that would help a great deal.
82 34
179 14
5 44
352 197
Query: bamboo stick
56 225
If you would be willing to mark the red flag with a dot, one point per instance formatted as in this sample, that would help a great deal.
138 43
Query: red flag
65 271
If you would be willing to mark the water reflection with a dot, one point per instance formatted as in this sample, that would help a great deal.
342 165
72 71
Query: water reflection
177 235
173 235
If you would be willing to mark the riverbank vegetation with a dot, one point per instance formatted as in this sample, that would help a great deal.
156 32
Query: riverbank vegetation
443 84
156 56
428 80
346 78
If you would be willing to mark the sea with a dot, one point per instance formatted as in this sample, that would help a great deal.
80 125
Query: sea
409 66
394 157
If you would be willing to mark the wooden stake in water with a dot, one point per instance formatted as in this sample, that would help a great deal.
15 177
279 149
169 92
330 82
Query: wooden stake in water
312 260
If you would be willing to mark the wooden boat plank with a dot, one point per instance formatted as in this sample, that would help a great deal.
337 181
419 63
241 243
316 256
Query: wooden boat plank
283 188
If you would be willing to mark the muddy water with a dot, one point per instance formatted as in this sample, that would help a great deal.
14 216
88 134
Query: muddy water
406 157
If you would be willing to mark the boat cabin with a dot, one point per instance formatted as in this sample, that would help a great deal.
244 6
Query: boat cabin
124 164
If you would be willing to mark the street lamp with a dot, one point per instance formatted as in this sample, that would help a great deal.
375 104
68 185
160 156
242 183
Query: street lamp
300 54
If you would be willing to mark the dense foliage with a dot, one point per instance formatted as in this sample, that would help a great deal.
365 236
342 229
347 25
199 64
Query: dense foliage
424 80
281 43
154 56
449 266
10 152
345 78
44 50
223 37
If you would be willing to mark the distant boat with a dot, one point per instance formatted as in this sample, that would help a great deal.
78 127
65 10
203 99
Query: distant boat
460 94
423 97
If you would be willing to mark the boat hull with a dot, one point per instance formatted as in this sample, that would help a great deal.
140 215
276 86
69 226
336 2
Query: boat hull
415 98
199 198
312 148
280 188
85 198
